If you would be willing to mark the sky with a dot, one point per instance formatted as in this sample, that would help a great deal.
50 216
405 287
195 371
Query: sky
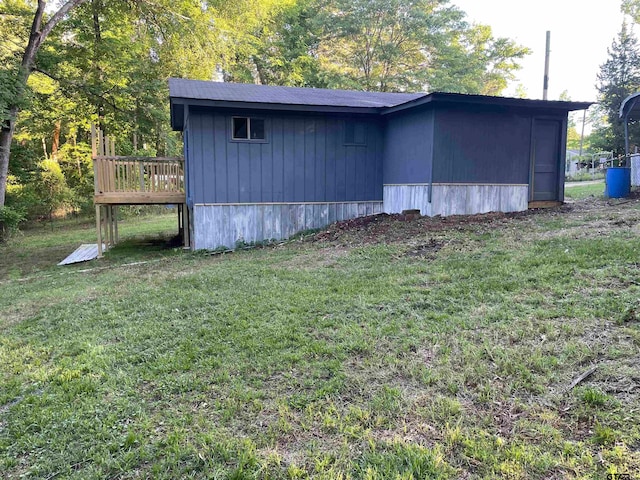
581 32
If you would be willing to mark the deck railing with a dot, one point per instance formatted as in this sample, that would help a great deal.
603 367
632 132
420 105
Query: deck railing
123 174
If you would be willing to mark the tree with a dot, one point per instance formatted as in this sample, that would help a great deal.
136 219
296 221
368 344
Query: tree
283 48
17 80
412 45
472 61
618 78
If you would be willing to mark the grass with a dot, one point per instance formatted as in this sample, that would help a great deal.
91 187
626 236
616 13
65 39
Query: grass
586 176
41 245
366 355
582 192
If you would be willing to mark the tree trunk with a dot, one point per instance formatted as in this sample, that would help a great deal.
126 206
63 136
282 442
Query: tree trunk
37 35
6 135
97 48
55 144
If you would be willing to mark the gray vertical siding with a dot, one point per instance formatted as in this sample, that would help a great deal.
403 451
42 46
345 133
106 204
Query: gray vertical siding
218 226
455 199
304 159
481 146
408 147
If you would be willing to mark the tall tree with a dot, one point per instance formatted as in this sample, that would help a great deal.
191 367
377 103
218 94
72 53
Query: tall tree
383 45
40 30
472 60
412 45
618 78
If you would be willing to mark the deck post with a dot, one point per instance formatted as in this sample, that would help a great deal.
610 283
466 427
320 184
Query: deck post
106 227
107 221
99 230
115 222
111 228
185 226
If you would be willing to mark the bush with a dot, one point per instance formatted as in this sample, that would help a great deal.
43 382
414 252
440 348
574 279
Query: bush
51 187
10 220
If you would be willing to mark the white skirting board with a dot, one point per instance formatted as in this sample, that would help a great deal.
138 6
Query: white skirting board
456 199
216 226
635 170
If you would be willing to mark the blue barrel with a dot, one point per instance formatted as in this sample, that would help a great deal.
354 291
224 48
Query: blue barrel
618 181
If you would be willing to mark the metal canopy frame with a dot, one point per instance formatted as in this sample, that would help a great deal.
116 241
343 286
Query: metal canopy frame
629 110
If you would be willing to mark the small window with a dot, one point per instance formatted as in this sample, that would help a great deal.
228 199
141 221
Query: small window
248 128
240 128
257 128
355 133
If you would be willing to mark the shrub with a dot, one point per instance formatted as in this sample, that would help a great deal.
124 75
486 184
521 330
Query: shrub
51 187
10 220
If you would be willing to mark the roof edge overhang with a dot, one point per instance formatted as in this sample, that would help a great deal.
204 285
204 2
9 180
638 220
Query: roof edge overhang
180 101
467 99
178 104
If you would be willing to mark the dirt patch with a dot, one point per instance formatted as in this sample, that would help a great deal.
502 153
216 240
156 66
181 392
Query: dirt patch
385 228
426 250
604 216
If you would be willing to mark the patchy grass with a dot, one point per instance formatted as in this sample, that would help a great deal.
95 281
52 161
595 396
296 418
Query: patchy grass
581 192
42 245
436 348
586 176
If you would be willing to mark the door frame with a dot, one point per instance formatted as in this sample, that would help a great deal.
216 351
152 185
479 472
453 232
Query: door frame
562 142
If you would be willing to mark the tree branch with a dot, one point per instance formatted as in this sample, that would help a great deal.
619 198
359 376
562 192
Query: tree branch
58 16
80 86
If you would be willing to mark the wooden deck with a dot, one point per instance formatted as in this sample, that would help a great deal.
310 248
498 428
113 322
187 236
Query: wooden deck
132 180
122 180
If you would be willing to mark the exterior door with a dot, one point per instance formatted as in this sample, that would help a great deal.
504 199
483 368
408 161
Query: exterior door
546 160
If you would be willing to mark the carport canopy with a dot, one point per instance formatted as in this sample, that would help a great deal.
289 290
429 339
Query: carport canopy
629 110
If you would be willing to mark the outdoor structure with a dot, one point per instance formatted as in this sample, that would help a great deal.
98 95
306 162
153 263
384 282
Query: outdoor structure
266 162
130 180
630 111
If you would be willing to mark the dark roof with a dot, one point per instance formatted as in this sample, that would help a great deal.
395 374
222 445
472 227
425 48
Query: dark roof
266 97
241 92
490 100
630 108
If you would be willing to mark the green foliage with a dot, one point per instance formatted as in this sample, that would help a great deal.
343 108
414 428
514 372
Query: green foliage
77 168
594 397
473 61
10 220
619 77
402 45
108 63
604 435
14 30
51 187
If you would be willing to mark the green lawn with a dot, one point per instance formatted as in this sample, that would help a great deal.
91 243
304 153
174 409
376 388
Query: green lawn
580 192
425 349
41 246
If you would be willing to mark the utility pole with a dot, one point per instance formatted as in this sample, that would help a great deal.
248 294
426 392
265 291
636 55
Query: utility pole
545 91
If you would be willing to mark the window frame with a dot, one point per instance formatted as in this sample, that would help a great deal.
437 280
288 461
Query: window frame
249 139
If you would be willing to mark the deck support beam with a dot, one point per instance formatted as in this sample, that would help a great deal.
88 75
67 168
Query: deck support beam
132 180
99 229
185 226
115 223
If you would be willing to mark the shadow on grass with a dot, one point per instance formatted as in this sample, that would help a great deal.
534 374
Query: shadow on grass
144 247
